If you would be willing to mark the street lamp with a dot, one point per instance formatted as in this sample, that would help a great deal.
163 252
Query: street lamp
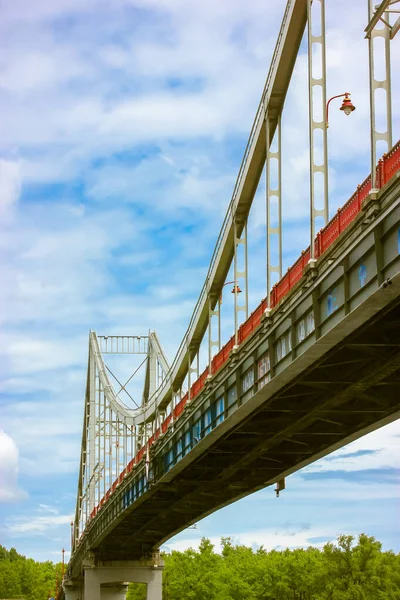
235 288
347 106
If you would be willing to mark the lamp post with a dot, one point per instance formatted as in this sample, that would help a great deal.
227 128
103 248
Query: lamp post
235 290
347 106
235 285
217 313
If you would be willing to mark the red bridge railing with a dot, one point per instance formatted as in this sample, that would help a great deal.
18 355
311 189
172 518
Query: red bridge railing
387 167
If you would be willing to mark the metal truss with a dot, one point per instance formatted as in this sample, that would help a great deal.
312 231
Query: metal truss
273 229
214 310
116 437
314 125
378 15
164 384
381 15
232 239
194 368
240 280
111 437
240 274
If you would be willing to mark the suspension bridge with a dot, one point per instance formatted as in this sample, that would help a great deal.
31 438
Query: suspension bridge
313 367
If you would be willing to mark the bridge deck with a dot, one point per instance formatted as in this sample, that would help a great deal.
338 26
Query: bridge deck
330 379
351 390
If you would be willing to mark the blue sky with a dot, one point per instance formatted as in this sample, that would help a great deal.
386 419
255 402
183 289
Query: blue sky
122 132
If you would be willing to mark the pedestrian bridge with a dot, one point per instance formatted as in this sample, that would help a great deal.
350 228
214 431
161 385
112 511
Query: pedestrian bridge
319 370
314 366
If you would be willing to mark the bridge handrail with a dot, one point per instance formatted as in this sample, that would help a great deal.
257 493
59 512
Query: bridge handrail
387 166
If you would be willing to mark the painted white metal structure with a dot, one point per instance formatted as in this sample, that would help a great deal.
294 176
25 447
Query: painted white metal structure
379 26
274 229
113 433
111 436
314 98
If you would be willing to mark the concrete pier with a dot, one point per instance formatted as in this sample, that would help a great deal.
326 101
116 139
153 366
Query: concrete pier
109 580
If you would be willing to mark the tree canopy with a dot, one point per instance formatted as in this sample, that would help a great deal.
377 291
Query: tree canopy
22 577
346 570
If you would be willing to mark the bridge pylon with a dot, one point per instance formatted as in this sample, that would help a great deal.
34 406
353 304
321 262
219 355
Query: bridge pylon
113 434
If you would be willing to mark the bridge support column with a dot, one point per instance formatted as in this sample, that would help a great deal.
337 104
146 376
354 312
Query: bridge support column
154 585
91 585
108 580
72 592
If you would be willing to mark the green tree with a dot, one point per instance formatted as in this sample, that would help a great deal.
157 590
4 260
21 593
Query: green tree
9 580
359 572
345 570
136 591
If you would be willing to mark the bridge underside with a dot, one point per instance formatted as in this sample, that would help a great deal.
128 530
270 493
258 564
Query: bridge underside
352 389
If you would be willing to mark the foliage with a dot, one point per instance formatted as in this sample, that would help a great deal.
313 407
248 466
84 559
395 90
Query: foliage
346 570
25 578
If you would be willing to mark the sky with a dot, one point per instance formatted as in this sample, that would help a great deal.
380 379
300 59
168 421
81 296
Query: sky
122 132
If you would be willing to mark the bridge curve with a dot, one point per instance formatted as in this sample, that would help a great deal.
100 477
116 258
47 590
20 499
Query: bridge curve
319 371
313 367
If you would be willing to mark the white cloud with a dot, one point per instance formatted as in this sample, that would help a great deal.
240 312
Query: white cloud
40 70
48 509
270 539
9 489
28 355
333 488
36 525
57 260
10 184
189 182
382 447
46 9
59 415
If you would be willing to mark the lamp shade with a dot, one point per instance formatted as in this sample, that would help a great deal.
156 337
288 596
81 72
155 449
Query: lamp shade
347 105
